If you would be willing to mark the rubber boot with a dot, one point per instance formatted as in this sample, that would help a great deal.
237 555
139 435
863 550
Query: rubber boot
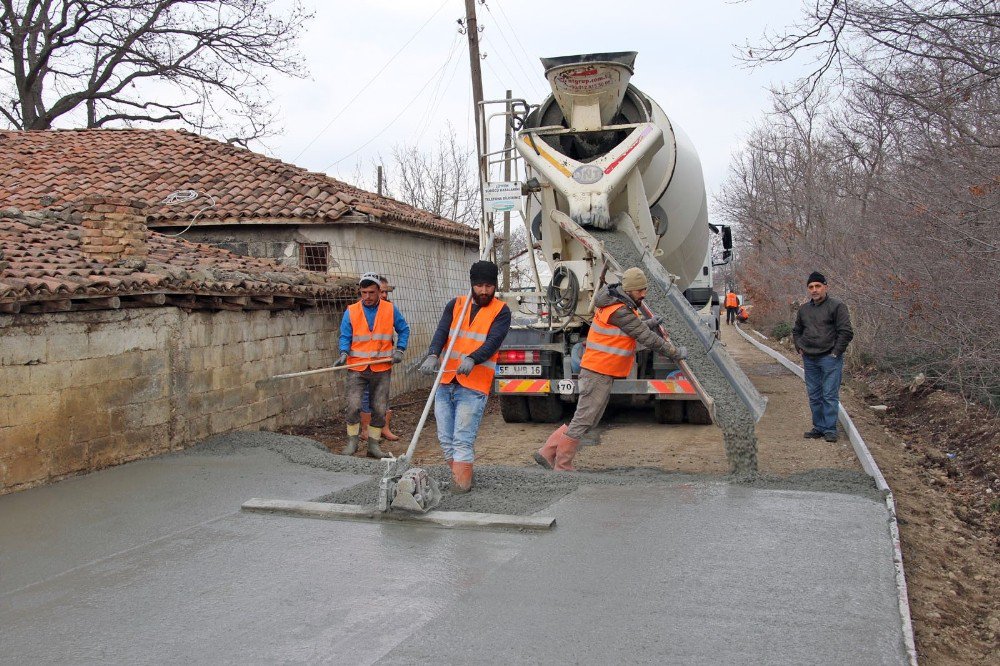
387 434
374 439
366 419
565 452
352 446
461 473
546 456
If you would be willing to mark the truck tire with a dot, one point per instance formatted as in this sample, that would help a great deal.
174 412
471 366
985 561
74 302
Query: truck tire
514 409
545 409
697 414
669 411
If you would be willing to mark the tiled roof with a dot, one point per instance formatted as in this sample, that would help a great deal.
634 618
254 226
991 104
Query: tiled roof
41 262
53 167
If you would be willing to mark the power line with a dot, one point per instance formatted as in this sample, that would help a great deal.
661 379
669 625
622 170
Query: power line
370 81
393 121
439 92
517 60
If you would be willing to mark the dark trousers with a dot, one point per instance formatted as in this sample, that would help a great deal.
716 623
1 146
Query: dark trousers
377 384
731 315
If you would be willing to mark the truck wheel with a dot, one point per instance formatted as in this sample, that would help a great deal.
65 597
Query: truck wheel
545 409
669 411
514 409
697 414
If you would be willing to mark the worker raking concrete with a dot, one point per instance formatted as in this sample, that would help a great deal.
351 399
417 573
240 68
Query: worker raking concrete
611 343
366 334
469 369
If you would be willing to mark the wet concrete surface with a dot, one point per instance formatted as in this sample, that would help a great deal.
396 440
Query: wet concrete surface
152 562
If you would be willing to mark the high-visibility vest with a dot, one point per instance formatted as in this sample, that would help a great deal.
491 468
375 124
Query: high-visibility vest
610 351
470 336
371 343
732 300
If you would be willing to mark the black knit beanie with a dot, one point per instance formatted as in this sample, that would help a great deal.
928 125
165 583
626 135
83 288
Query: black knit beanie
484 272
816 276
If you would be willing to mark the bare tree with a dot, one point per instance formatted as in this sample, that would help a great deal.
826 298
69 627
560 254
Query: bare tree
105 62
443 181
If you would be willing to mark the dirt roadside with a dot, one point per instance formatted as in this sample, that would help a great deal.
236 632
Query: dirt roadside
950 549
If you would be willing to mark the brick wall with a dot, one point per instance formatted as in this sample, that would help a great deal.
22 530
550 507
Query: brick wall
84 390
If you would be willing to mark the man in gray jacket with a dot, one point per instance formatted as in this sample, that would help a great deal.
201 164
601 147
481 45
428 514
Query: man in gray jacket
616 330
821 334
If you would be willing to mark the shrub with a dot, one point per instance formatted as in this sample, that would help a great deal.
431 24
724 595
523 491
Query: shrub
781 330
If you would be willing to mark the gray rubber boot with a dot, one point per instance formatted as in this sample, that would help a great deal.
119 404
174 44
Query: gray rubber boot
352 446
373 449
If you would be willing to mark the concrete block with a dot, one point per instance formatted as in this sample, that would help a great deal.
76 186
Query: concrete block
91 426
68 458
105 341
20 349
221 422
107 450
28 409
14 380
232 398
232 354
67 347
253 350
23 469
14 439
201 381
211 402
212 356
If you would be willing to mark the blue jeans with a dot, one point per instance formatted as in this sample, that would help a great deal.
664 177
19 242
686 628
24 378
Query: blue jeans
823 385
458 411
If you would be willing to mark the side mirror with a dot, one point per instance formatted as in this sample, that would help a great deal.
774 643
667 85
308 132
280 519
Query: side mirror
727 239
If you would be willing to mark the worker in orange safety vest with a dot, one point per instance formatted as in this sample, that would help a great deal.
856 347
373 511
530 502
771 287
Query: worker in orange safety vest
732 304
616 329
469 369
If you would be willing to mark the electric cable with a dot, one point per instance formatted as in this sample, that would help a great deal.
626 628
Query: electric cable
370 81
517 60
563 299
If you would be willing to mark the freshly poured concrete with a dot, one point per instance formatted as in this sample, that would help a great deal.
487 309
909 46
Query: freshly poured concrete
153 562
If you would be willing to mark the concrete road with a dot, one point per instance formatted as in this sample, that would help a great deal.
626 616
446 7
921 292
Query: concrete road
152 562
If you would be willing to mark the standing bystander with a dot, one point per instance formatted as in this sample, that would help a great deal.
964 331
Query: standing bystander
366 332
821 334
732 305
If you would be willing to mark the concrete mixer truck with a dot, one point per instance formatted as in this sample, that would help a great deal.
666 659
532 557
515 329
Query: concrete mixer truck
602 163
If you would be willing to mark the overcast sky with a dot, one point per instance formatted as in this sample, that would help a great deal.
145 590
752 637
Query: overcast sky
387 72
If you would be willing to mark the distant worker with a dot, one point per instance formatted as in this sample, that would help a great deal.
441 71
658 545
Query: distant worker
732 306
821 334
742 313
609 355
366 409
366 332
469 369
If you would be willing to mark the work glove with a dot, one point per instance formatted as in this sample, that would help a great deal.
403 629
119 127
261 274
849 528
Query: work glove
680 353
397 356
465 367
341 360
429 366
653 323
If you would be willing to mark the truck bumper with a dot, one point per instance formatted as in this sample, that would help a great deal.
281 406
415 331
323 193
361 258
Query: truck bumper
675 386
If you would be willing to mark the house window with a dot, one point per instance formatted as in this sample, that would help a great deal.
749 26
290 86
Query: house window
314 256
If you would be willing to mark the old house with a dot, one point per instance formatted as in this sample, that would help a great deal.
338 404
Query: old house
118 341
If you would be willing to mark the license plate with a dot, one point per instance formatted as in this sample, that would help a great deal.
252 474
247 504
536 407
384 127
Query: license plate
519 370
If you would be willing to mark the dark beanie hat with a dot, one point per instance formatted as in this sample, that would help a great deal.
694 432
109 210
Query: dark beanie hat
484 272
816 276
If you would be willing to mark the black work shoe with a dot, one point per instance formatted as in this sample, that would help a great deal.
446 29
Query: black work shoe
830 436
812 434
540 459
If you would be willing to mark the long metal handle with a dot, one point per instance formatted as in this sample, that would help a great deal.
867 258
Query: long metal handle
452 334
332 368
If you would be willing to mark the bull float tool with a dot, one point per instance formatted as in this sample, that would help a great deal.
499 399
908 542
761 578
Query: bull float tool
412 488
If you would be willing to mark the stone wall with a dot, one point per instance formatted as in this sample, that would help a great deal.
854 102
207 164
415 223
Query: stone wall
83 390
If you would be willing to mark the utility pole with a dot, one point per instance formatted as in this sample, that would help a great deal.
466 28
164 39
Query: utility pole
472 33
508 145
378 176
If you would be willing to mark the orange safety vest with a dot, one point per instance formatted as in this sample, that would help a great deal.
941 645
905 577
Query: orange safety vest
610 351
732 300
471 336
371 343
